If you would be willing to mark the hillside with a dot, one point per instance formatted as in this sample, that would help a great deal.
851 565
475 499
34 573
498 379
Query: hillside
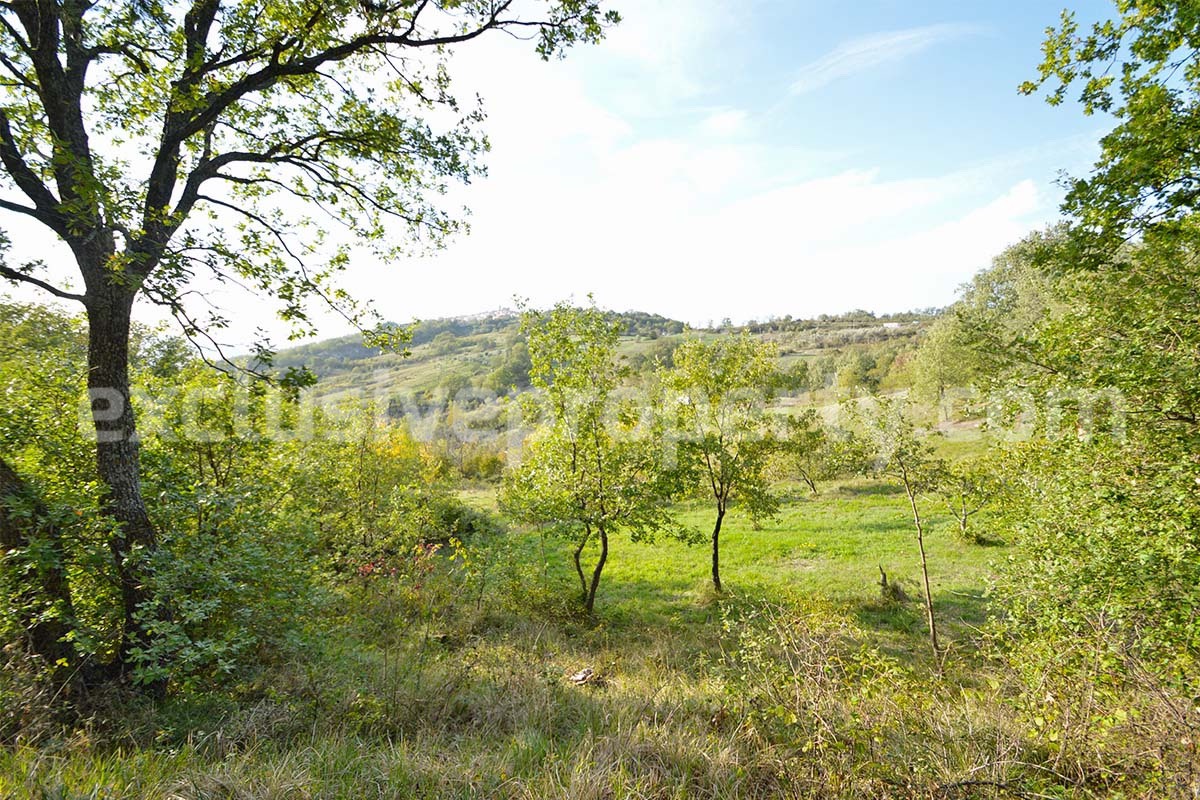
486 351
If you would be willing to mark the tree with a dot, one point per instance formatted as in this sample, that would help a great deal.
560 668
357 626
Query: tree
1001 310
904 458
1101 501
967 488
139 133
31 544
1148 174
42 479
510 369
585 473
815 453
942 363
232 580
1107 514
855 371
444 343
721 388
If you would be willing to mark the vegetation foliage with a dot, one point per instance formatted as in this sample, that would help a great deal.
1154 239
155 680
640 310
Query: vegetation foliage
289 591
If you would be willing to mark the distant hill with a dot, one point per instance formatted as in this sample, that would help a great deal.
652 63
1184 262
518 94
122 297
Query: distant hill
487 351
332 357
448 350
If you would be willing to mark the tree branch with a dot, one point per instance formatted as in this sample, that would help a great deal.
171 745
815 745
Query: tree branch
49 27
44 201
21 277
191 329
217 102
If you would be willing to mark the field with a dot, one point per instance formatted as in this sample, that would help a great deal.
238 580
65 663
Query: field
459 687
830 546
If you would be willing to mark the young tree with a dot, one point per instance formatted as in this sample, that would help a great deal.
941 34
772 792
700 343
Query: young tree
904 458
943 362
966 488
137 133
586 473
721 388
814 452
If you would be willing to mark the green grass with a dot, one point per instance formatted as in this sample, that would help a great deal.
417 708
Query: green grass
799 681
829 546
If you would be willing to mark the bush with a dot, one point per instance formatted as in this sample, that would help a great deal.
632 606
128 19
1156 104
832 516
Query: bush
454 519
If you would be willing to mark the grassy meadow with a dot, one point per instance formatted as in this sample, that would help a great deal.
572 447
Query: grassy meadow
830 547
472 670
460 687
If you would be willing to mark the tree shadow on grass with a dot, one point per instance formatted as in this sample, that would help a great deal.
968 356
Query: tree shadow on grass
683 617
964 607
987 540
900 624
872 489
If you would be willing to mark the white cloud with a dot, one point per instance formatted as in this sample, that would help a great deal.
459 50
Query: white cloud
874 50
642 234
725 123
701 221
661 41
692 214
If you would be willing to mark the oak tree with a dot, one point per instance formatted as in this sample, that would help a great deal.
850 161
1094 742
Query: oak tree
165 141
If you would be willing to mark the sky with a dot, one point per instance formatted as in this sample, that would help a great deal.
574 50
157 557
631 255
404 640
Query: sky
746 159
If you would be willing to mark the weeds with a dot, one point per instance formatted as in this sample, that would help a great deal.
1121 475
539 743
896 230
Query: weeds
422 690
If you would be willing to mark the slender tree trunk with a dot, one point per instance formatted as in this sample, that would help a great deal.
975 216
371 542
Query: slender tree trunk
43 596
591 595
117 455
929 618
716 550
583 585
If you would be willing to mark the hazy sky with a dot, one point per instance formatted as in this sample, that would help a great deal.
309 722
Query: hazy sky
748 158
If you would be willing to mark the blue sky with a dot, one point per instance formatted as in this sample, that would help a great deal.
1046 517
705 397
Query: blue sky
747 159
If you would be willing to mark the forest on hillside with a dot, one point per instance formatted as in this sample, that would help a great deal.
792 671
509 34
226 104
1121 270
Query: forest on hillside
568 551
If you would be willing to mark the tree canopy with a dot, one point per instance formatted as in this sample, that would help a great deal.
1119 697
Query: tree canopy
161 142
721 389
119 120
1142 67
592 468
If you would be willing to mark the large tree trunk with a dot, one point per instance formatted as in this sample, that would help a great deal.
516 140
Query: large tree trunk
716 550
117 455
42 592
